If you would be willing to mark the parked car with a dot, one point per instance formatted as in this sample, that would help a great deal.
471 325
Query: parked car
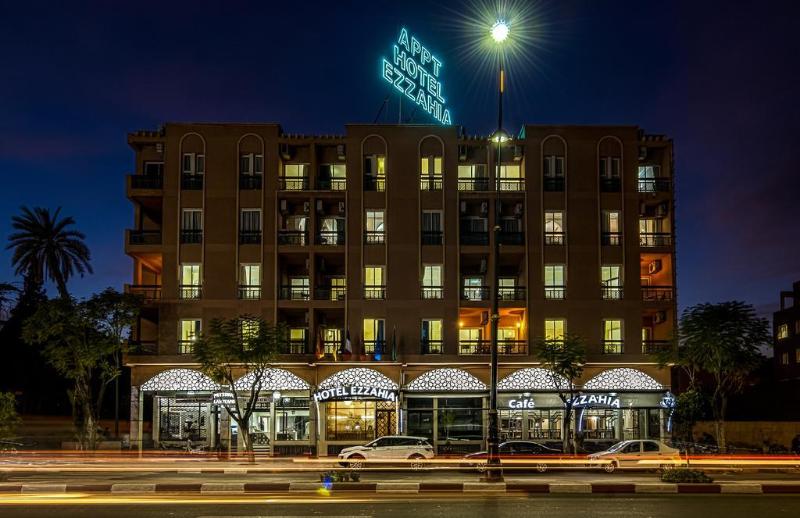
388 449
630 453
514 450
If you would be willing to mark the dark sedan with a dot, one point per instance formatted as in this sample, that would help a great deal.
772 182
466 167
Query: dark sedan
538 454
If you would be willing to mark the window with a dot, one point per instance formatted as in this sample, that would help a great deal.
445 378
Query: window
248 329
554 329
350 420
191 226
293 231
648 175
250 226
783 331
374 225
430 173
194 164
432 281
295 177
554 228
609 167
374 286
191 282
431 337
612 336
250 281
189 331
292 421
331 231
297 340
554 281
460 419
251 164
553 166
331 340
611 281
374 336
431 227
474 289
333 177
299 288
784 358
472 177
611 228
511 178
375 173
153 168
470 341
507 288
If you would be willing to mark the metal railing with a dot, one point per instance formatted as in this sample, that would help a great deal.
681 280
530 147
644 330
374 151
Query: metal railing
293 183
330 293
474 238
432 346
508 347
613 347
297 346
473 184
190 291
294 293
191 182
512 184
191 236
148 292
655 184
430 183
250 182
655 346
330 237
611 238
374 292
555 292
512 237
374 237
185 346
249 291
332 184
374 346
432 237
144 237
512 347
249 237
331 346
511 293
655 239
143 347
553 184
554 238
611 292
475 293
374 183
147 181
292 237
657 293
432 292
610 185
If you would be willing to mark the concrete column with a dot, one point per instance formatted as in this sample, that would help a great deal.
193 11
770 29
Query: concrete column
225 430
156 420
135 431
313 419
619 425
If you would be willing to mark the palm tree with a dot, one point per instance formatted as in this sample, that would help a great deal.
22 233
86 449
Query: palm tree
46 248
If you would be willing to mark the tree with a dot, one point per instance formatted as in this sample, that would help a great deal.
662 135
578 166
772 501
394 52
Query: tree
73 341
564 359
7 292
8 415
244 343
45 247
723 340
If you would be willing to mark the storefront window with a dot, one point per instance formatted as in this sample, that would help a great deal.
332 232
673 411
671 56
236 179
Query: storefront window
420 417
511 423
350 420
460 419
182 420
292 421
545 424
599 423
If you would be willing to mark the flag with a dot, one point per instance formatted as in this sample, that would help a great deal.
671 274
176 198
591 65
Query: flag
320 346
394 343
347 347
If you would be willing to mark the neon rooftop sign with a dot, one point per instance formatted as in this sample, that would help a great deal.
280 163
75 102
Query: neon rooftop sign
414 71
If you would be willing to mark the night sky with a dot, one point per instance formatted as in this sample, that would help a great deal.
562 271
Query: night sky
720 78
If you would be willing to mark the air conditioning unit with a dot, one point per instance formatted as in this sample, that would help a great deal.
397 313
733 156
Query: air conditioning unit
463 207
517 153
340 151
284 151
320 207
284 206
661 210
518 209
159 147
482 268
341 207
307 207
642 152
462 152
660 317
654 266
484 207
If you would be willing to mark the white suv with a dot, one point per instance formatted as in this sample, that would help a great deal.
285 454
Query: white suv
391 448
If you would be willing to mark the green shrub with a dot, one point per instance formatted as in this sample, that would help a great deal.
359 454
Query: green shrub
685 476
340 476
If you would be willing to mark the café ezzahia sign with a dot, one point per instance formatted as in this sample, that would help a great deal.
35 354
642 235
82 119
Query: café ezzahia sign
354 392
415 72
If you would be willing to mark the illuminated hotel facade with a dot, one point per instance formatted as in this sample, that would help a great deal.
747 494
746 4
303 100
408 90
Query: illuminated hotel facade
379 241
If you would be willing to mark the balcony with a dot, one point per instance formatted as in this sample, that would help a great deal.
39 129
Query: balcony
296 346
331 347
432 293
553 184
474 238
250 182
611 238
506 347
330 237
512 238
473 184
475 293
655 239
613 347
374 237
292 237
512 184
294 293
374 292
554 238
332 184
143 347
190 291
374 346
330 293
190 237
655 184
146 181
191 182
432 237
144 237
656 346
374 183
611 292
430 183
657 293
555 292
249 237
512 347
186 346
298 183
432 346
148 292
505 293
610 185
249 292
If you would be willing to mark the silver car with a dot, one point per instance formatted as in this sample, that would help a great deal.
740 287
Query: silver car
630 454
391 448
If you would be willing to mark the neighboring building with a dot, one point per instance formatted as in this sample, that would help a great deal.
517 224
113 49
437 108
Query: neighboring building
380 239
786 329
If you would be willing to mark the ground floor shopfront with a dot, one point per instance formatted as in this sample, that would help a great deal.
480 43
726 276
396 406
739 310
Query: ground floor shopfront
320 409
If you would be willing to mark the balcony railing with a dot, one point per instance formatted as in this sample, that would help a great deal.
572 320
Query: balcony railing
511 293
613 347
432 292
294 293
148 292
190 291
657 293
554 238
610 185
330 237
294 183
655 184
147 181
474 238
186 346
432 346
430 183
555 292
296 346
432 237
473 184
374 292
292 237
509 347
144 237
512 347
332 184
655 239
553 184
611 292
475 293
332 347
655 346
249 291
249 237
374 183
191 236
611 238
374 237
250 182
512 184
512 238
330 293
143 347
374 346
191 182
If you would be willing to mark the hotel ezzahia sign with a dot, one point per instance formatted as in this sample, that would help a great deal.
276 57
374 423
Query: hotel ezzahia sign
414 72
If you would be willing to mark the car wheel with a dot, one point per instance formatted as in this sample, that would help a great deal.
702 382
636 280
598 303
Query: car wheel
541 468
610 467
480 467
417 462
355 462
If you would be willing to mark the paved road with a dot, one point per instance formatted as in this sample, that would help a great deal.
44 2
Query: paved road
425 507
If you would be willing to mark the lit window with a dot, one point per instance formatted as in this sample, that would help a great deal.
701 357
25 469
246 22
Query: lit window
248 328
374 335
250 281
189 332
374 286
374 222
612 336
611 221
432 275
375 173
783 331
295 177
431 336
554 329
611 281
554 281
785 359
191 281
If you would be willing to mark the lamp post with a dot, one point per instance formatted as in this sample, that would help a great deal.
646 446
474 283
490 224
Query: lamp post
499 34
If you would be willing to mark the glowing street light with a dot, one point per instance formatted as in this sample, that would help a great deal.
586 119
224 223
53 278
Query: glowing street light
500 31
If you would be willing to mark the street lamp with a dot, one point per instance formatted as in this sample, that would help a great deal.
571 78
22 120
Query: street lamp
499 32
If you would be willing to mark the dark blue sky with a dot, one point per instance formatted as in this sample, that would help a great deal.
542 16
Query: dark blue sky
721 78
